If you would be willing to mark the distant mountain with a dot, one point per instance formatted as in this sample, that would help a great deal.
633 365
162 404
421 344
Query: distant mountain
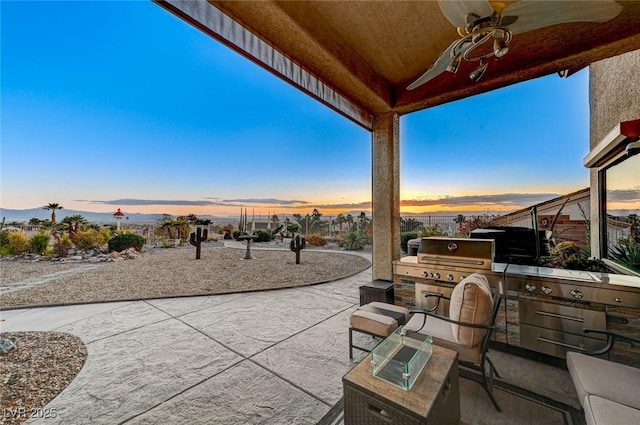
23 216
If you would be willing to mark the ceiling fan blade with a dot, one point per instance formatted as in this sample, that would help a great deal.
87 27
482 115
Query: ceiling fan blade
534 14
439 66
456 11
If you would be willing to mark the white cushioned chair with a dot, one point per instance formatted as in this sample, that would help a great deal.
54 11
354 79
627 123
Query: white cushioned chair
608 391
472 314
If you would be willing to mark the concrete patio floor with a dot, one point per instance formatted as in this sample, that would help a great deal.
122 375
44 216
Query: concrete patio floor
273 357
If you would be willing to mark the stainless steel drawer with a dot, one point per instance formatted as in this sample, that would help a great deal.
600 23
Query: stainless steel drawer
560 317
555 343
424 303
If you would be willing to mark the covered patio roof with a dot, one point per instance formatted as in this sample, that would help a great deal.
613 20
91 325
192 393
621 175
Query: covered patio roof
358 57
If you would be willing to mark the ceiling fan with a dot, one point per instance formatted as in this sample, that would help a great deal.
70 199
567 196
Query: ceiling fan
487 28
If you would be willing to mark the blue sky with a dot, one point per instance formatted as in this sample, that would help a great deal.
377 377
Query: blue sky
111 105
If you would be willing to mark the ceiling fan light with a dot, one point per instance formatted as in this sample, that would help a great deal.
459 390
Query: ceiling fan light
500 48
477 73
455 64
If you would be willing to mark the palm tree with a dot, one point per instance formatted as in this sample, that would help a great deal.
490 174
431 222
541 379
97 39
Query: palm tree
459 220
340 220
182 227
311 223
74 222
53 207
302 222
191 218
350 222
168 227
274 221
363 220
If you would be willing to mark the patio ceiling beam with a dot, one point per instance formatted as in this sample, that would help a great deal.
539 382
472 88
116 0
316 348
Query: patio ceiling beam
336 89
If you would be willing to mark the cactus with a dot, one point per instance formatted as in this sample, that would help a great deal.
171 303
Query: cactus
196 238
298 245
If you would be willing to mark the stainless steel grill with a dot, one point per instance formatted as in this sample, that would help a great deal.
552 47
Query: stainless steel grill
446 261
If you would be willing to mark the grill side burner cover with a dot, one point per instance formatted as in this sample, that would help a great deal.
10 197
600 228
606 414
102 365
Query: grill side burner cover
515 245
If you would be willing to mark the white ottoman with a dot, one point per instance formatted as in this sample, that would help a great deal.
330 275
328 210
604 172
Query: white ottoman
376 319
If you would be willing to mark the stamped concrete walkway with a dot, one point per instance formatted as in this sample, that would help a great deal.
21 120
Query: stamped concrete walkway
272 357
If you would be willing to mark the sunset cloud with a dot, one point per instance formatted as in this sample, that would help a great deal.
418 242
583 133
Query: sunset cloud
130 201
272 201
504 199
624 195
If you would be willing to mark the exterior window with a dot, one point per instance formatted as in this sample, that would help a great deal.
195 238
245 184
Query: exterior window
622 212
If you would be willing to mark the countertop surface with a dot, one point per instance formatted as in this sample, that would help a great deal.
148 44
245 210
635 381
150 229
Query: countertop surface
574 276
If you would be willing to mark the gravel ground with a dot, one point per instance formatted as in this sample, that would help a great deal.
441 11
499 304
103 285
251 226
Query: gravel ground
33 373
175 272
44 363
15 270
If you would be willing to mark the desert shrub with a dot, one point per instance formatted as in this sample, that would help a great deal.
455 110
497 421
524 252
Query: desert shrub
293 228
4 238
588 264
316 240
405 237
265 235
62 246
627 253
432 230
354 241
164 242
90 239
567 250
18 243
39 242
227 230
5 248
215 238
125 241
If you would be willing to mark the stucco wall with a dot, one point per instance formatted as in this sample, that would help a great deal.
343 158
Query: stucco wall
614 93
614 96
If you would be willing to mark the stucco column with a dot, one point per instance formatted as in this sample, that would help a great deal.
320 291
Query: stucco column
386 194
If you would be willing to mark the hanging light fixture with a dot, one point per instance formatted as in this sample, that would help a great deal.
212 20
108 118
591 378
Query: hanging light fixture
477 73
500 48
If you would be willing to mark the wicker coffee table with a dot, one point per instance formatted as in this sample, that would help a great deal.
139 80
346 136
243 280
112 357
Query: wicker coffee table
433 399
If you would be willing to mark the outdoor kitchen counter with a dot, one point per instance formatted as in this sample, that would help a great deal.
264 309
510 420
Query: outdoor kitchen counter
583 278
535 296
625 282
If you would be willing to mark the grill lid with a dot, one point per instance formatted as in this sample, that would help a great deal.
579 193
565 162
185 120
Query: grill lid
460 252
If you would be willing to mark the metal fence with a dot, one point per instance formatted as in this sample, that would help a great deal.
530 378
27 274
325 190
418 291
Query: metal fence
444 223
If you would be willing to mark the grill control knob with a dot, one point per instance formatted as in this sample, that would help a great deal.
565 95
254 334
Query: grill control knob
530 287
546 290
449 277
425 274
436 275
576 294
